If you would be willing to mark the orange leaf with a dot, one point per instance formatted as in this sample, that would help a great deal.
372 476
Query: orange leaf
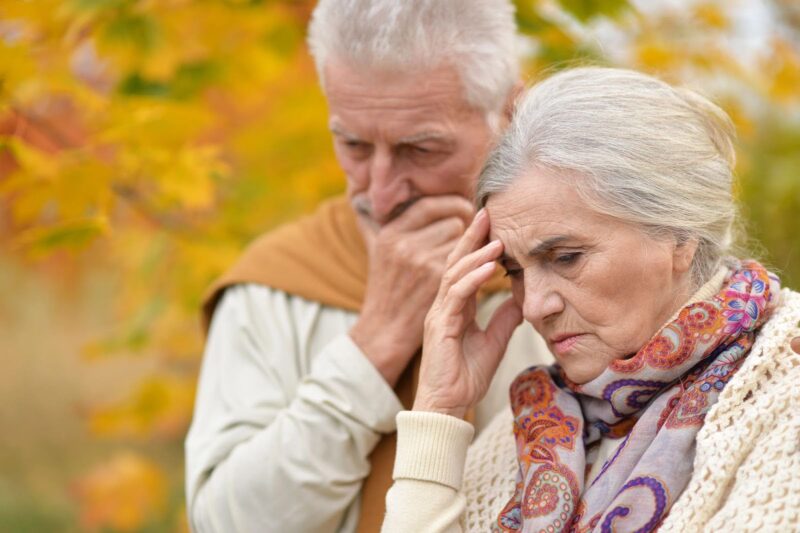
122 493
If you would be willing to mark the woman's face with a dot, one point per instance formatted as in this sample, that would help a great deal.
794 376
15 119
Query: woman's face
595 288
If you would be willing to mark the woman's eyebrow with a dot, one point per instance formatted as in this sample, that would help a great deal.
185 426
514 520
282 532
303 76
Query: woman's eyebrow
541 248
547 245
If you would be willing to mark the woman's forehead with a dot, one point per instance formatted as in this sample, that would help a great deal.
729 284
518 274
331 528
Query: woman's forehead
535 215
533 199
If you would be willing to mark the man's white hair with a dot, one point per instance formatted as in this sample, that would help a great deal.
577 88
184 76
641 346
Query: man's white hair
638 149
476 37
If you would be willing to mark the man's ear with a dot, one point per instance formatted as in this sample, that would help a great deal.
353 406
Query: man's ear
511 100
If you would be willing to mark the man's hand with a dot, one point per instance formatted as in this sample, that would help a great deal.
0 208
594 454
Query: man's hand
406 261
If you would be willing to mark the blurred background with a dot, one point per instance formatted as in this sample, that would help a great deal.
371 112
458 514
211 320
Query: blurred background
143 143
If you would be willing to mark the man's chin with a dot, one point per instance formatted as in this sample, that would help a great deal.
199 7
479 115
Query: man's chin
366 225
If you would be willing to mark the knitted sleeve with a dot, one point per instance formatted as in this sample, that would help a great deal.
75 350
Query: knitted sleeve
428 471
747 468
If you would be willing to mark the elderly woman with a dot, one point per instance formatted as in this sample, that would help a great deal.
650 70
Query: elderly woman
674 401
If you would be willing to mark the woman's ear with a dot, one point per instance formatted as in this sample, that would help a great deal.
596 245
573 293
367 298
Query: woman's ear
683 254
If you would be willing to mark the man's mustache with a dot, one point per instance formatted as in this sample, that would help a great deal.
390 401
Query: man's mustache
364 208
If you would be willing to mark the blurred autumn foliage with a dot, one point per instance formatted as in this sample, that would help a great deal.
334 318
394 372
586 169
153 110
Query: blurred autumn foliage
143 143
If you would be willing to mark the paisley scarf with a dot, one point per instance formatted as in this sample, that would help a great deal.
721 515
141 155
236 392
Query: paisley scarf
654 403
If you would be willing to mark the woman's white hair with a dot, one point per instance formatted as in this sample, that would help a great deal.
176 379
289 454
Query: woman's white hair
476 37
636 148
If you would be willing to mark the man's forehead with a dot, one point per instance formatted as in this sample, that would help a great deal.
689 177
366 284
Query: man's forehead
417 95
340 76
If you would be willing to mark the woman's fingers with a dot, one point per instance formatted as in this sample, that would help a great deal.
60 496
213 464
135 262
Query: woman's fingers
470 262
495 337
475 265
473 237
465 288
504 321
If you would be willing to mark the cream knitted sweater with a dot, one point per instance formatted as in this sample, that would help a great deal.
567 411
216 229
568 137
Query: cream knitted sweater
746 471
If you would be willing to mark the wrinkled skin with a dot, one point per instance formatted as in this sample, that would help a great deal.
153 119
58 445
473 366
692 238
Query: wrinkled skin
411 147
594 287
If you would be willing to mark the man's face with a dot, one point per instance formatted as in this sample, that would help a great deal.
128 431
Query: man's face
399 137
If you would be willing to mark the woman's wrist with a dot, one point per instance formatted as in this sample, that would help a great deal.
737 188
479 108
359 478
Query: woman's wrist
429 405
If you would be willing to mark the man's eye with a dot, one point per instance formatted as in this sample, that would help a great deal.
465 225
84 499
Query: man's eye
567 259
414 150
513 273
355 148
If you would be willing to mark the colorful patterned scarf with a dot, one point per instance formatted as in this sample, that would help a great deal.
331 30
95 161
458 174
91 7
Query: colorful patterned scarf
654 402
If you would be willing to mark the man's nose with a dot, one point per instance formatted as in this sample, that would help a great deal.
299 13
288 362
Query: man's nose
387 189
541 299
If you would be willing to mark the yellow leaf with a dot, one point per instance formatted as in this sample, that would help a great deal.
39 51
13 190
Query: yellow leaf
785 63
83 186
134 122
744 124
17 67
161 406
34 162
187 179
711 15
555 37
27 206
656 55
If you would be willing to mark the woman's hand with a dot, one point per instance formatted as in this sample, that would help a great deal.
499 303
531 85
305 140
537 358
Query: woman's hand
459 359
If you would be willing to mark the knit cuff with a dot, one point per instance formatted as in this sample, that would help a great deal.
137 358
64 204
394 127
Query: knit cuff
431 447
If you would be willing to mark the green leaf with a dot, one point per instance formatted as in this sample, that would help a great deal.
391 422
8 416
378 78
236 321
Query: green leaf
70 234
136 85
528 19
585 10
100 5
132 29
283 39
191 78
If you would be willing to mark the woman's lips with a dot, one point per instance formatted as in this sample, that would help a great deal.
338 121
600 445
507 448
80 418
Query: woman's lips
564 343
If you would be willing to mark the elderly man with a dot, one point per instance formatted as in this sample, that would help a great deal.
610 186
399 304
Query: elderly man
313 329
